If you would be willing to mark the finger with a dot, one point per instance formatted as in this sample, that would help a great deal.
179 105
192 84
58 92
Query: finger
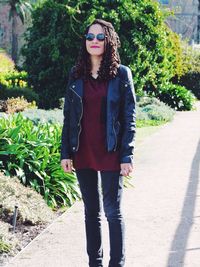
69 167
66 167
123 172
131 168
127 173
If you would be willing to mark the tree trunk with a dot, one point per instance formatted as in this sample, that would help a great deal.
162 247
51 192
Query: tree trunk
14 37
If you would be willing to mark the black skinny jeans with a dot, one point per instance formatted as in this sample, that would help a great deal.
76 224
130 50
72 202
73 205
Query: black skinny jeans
112 187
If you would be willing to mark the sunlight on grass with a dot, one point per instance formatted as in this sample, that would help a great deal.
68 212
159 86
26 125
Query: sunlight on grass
144 132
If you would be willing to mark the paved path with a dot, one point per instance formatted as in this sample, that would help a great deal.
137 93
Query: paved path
162 211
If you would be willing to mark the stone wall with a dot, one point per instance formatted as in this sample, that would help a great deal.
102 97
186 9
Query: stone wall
184 21
6 29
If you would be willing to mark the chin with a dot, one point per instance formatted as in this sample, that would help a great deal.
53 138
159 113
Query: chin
96 54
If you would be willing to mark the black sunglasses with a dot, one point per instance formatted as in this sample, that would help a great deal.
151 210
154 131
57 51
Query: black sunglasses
91 36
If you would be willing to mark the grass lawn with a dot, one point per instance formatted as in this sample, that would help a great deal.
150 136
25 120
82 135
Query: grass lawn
144 132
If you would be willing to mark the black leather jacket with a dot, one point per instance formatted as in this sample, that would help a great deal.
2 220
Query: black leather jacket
120 116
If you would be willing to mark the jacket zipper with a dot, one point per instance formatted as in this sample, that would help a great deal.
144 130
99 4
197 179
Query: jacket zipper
115 135
79 124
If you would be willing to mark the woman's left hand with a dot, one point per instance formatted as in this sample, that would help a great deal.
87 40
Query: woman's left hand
126 168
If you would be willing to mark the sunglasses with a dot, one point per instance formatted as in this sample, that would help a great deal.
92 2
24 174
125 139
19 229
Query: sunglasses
91 36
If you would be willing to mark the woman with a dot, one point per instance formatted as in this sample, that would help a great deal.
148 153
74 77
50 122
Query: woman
98 136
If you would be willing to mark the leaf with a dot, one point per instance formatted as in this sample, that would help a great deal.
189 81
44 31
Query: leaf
38 175
19 172
15 132
4 153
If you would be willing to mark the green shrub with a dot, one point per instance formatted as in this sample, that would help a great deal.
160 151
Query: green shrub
53 50
191 79
176 96
151 111
14 84
141 115
192 58
6 63
27 93
14 79
158 113
9 77
182 60
41 115
32 153
147 100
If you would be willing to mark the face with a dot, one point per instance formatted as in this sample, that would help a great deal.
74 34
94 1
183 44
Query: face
95 47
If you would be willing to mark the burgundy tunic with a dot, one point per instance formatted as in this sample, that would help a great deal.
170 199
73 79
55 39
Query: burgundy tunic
92 152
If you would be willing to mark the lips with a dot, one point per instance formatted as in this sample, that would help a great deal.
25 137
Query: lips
95 46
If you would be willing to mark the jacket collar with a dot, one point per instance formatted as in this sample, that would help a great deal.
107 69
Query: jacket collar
77 85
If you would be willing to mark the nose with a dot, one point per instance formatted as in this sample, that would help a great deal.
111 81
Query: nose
95 39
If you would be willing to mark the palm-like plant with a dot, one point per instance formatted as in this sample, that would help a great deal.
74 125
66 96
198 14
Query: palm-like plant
21 9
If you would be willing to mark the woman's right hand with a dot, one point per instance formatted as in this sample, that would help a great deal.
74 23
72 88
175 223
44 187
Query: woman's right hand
66 165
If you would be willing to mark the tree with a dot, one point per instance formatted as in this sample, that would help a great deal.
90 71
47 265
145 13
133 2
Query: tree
55 35
21 9
53 44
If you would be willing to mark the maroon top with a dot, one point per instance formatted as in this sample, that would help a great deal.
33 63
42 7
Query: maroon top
92 152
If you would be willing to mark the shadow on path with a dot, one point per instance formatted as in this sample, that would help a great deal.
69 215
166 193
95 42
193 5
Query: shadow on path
179 243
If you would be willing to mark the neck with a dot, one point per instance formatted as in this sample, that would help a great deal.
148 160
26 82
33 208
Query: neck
95 63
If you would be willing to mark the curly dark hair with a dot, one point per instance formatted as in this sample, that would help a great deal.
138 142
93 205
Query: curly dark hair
110 61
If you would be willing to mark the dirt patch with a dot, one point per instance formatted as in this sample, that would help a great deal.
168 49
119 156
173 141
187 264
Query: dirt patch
22 236
32 217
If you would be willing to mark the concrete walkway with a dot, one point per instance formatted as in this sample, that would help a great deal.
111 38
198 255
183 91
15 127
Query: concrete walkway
162 211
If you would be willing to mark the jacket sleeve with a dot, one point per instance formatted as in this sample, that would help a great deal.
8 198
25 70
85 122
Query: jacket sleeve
128 119
65 147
